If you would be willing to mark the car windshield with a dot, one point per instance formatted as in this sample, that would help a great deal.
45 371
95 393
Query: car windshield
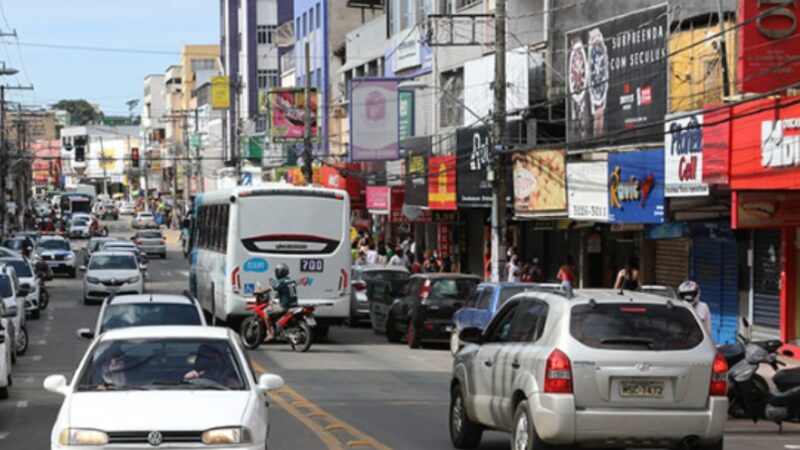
141 314
53 244
660 290
167 364
149 234
94 245
112 262
5 286
80 222
452 289
21 267
635 326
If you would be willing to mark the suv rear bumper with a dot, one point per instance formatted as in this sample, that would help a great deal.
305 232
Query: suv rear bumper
557 422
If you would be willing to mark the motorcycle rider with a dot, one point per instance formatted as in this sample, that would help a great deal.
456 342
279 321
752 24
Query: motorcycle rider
689 291
286 289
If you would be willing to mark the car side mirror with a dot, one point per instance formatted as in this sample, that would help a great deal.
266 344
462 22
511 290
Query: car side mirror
270 382
85 333
82 268
56 384
143 267
471 335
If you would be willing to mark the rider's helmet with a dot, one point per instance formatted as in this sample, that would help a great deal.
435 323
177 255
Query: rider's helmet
281 271
689 291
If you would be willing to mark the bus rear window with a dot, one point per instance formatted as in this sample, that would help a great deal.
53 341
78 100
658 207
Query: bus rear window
632 326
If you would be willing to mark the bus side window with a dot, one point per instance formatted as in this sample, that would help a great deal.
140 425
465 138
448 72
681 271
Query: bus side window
225 226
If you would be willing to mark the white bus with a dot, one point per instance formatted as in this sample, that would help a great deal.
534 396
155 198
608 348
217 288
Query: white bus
241 234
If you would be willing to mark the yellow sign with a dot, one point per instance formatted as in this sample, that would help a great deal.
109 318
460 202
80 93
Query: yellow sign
220 92
109 160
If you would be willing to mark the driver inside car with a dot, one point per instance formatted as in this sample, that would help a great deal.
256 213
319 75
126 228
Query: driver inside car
211 364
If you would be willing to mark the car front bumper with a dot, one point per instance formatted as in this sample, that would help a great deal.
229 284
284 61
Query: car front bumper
99 291
558 422
255 446
64 265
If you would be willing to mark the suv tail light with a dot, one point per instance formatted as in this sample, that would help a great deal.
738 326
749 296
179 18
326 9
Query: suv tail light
425 292
139 242
558 374
163 241
359 286
719 377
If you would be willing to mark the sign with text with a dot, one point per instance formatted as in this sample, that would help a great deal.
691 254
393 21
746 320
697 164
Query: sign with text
617 79
769 44
374 120
287 114
406 99
220 92
417 150
540 183
683 157
442 182
636 187
587 190
473 188
379 198
716 144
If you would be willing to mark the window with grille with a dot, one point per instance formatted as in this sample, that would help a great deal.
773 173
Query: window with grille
265 34
451 104
266 79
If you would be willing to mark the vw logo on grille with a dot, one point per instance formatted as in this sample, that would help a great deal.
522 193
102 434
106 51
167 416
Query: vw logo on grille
643 367
155 438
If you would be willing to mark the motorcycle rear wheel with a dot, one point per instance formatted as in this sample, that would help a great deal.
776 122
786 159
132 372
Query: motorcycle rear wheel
252 332
301 337
736 408
44 299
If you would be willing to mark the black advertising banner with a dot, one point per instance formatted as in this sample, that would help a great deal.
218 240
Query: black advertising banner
617 80
473 190
417 151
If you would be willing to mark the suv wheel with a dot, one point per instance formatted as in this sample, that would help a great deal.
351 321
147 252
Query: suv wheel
464 433
523 433
715 446
392 335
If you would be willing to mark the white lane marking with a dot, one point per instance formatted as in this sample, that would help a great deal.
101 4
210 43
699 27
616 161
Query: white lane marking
27 380
47 328
40 342
184 273
22 404
3 435
36 357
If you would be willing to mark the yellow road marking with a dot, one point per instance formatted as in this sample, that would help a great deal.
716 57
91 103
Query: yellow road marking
292 402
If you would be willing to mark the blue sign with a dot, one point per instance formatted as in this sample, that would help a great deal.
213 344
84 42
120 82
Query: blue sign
247 178
636 187
249 288
257 265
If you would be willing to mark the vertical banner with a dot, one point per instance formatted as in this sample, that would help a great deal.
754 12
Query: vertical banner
636 187
540 183
683 157
406 99
220 92
442 183
617 79
445 239
374 120
417 150
716 145
587 184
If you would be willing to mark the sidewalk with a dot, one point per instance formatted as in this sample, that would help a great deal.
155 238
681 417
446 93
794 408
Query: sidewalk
172 236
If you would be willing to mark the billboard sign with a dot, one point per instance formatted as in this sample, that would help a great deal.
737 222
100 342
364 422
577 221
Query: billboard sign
683 157
587 190
374 120
540 183
220 92
287 114
442 183
474 190
636 187
769 44
617 79
417 150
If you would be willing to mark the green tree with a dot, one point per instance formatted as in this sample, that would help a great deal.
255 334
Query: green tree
80 111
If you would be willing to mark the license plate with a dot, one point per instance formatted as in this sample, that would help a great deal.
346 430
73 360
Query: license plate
311 265
630 388
113 289
311 321
448 328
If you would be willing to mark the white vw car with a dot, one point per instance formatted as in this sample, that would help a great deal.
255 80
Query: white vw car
111 273
180 387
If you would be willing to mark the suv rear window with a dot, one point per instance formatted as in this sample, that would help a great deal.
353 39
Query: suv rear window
632 326
453 289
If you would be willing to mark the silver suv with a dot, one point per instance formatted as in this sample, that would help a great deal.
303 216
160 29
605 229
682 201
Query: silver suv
603 369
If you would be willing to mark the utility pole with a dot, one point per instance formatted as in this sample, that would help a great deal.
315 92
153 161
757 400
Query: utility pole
236 148
308 172
723 53
198 165
103 164
498 172
3 161
186 172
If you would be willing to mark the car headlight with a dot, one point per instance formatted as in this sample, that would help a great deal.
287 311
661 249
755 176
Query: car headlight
78 436
133 279
93 280
235 435
70 256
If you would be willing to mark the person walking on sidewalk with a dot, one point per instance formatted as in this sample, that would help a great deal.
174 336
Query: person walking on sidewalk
628 277
566 274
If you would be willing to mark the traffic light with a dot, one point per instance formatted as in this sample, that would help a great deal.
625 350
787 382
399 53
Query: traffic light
135 157
80 148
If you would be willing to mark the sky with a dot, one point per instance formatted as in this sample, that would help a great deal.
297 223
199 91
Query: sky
108 78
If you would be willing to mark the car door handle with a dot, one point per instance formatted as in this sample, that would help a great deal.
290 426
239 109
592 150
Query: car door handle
515 365
487 363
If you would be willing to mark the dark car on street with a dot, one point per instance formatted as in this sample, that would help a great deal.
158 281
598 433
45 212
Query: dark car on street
424 309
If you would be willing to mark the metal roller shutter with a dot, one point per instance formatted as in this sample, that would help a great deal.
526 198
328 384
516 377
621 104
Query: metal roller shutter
714 268
672 262
766 282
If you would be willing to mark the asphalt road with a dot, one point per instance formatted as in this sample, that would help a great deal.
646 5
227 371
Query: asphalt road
353 390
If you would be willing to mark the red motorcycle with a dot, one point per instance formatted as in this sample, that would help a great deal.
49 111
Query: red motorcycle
295 326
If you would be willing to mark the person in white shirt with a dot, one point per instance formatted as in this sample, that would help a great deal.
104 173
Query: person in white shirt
371 255
397 259
514 271
689 291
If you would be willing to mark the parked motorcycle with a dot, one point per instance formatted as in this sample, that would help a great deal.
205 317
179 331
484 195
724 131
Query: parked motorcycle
758 401
295 326
44 273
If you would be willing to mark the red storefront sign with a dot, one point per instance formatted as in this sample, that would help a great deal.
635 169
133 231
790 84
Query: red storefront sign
397 216
342 176
445 239
379 198
442 183
769 44
765 150
716 145
765 209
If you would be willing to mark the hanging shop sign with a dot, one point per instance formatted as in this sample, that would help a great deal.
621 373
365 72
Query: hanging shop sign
417 150
398 216
406 104
669 230
287 114
765 209
540 183
765 151
769 44
395 173
444 239
220 92
442 183
379 199
683 157
473 188
587 190
716 144
617 72
636 187
374 119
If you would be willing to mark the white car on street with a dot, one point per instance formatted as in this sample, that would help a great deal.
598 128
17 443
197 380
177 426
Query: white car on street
127 208
6 351
180 387
602 369
111 273
80 227
29 284
15 305
144 220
